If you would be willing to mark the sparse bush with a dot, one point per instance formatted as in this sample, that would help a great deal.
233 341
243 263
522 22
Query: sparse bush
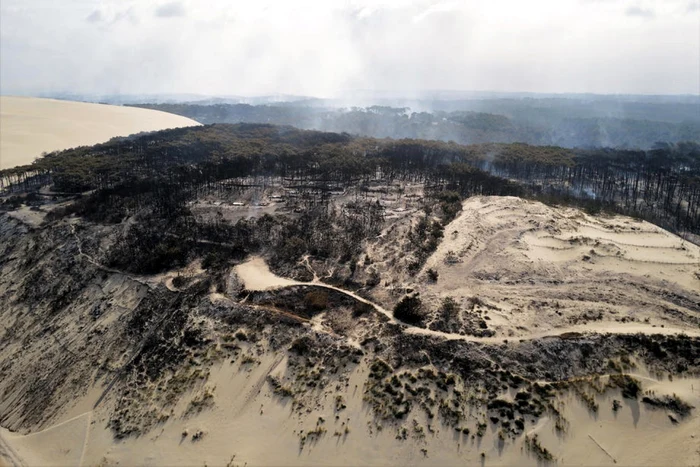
301 346
432 275
450 307
587 399
673 403
631 387
214 260
200 402
410 310
373 280
241 335
293 248
316 300
379 369
13 202
360 309
472 302
278 388
179 281
249 359
533 445
450 205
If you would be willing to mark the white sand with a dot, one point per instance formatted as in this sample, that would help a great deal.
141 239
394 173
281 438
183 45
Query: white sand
251 426
256 275
543 269
30 126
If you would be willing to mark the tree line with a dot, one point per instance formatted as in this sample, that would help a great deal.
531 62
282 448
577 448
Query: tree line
164 170
563 122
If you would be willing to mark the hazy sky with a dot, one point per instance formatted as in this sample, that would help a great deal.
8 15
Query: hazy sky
324 48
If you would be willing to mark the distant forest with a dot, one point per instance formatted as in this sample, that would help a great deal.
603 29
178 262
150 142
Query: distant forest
163 170
559 122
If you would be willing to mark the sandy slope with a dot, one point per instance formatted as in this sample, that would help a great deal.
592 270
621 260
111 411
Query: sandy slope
526 261
256 275
250 426
538 268
30 126
62 444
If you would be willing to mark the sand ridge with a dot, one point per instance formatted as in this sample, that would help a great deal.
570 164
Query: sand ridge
538 268
30 126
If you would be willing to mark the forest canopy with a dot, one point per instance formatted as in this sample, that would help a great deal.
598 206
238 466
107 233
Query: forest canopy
165 169
561 122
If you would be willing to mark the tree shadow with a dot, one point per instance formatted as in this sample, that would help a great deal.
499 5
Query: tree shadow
634 407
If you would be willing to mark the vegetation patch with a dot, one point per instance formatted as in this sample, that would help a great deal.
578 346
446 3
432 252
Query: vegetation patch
410 310
630 386
533 445
673 403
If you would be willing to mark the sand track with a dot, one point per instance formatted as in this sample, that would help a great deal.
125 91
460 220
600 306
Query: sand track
8 455
257 276
64 443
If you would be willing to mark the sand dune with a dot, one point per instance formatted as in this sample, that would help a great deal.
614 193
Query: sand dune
247 420
238 399
545 269
30 126
61 444
256 276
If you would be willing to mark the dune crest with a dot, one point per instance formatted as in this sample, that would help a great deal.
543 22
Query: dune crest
30 126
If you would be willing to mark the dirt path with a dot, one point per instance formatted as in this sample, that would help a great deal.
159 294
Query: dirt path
597 328
75 439
256 275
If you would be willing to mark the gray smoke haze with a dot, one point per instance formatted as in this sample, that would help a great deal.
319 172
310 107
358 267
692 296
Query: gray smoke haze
327 49
639 11
169 10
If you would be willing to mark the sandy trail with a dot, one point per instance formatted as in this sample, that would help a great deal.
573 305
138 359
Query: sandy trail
62 444
31 126
256 276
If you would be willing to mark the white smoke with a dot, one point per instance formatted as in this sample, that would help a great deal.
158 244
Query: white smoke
323 48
